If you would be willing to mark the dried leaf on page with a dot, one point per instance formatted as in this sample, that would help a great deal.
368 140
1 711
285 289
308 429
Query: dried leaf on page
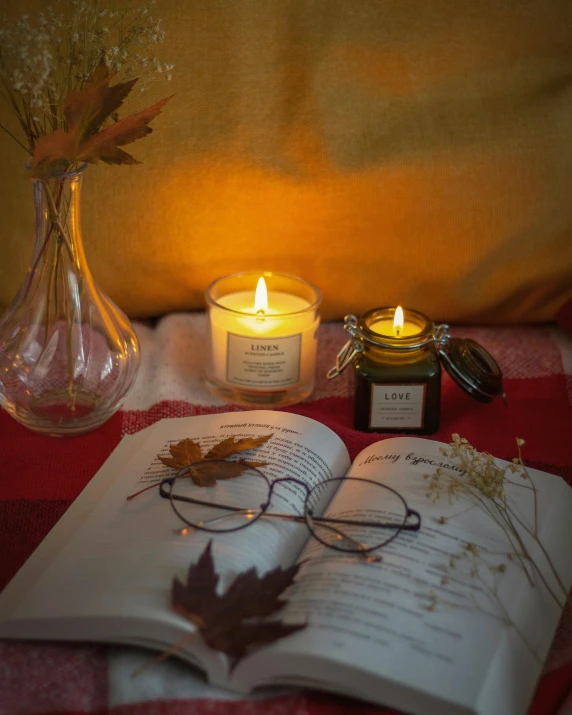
187 452
234 622
183 453
230 446
206 475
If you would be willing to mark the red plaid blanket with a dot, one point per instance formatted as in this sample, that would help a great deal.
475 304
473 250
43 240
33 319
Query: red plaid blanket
41 476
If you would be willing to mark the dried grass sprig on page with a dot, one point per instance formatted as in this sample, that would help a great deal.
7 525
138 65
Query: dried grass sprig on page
482 484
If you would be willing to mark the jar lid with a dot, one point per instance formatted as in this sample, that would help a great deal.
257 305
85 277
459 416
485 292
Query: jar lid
473 368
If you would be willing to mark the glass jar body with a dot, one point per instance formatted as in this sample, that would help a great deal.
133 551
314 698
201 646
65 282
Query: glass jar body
397 374
397 391
265 357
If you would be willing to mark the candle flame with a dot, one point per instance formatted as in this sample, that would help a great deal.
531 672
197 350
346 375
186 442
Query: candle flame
398 321
261 297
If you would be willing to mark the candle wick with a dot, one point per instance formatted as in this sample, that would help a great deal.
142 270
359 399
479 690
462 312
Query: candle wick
397 330
260 314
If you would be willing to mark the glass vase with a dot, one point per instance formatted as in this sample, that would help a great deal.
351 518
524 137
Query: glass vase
68 355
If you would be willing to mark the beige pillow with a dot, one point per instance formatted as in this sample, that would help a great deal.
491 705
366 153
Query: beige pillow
390 152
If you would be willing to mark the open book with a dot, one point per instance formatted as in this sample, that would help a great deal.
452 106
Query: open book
431 628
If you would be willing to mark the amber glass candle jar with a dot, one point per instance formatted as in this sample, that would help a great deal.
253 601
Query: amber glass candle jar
396 358
397 375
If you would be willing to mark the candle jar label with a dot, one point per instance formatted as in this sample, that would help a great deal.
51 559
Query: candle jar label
397 407
265 363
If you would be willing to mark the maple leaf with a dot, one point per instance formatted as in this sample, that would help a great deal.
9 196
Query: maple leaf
53 154
186 452
246 637
183 453
85 111
199 594
105 144
206 474
228 446
234 622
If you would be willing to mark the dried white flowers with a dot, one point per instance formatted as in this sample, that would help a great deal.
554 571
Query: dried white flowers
483 486
41 61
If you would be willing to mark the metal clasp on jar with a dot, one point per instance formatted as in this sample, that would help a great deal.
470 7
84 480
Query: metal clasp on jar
355 345
350 350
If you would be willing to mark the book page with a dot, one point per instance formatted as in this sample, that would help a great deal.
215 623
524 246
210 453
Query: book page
112 580
68 524
434 622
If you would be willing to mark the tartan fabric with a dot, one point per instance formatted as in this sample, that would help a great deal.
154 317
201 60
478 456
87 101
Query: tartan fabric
41 476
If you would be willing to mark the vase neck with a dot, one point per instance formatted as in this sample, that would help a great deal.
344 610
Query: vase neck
58 227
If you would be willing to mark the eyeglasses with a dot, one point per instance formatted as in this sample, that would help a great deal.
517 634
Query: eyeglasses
236 503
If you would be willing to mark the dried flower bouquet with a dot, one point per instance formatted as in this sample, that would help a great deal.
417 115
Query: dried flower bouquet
64 80
40 64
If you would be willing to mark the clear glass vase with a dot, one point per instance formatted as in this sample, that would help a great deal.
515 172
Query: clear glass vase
68 355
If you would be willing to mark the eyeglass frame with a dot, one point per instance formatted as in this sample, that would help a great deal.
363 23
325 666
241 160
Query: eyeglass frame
323 521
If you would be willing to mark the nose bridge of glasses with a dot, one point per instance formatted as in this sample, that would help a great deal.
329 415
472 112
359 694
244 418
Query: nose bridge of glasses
289 480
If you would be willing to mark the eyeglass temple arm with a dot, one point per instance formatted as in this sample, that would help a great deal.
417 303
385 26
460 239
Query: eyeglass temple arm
415 526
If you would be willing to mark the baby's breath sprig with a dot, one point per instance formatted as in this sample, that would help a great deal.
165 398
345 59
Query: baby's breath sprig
42 61
480 572
482 483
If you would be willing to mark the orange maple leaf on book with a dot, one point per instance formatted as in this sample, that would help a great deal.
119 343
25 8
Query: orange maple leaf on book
187 452
214 465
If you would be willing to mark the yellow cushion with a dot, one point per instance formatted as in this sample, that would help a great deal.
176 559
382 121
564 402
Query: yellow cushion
390 152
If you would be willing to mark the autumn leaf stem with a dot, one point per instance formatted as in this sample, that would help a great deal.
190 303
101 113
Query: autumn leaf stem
46 242
56 221
71 319
151 486
41 315
51 281
41 255
50 315
164 655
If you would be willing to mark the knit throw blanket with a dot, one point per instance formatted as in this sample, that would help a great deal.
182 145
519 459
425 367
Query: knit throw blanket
41 476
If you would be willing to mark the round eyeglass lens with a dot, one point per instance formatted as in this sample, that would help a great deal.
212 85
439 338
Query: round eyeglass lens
365 517
219 496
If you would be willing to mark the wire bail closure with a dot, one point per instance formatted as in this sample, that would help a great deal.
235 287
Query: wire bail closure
350 350
355 345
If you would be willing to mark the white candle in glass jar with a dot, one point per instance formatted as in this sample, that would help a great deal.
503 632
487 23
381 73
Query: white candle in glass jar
263 341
